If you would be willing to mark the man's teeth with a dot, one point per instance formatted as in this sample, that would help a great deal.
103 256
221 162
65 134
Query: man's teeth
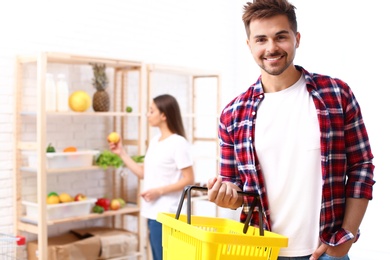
272 59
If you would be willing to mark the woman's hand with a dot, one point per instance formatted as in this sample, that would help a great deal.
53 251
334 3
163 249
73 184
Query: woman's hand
116 148
152 194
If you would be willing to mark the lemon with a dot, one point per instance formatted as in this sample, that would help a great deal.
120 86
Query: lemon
113 137
79 101
53 199
65 197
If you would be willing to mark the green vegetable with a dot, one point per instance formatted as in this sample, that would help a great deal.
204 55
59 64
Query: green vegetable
50 149
138 158
52 194
107 159
129 109
97 209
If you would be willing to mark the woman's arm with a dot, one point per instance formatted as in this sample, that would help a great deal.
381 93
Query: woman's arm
186 179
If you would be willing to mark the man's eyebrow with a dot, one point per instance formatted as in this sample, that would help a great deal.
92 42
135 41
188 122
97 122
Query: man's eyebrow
282 32
278 33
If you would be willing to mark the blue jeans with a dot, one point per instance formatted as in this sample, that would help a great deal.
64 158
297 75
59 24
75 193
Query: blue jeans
155 238
323 257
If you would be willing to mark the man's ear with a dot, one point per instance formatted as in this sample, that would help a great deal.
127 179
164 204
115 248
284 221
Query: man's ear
248 44
298 39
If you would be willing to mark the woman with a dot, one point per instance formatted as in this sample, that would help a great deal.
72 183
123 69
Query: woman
167 167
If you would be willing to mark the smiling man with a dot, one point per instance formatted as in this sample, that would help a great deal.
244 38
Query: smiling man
298 139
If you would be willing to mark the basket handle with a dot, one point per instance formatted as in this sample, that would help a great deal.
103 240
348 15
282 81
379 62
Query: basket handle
187 193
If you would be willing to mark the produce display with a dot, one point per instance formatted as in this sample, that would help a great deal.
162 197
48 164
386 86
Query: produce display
107 159
50 149
101 205
104 160
54 198
104 204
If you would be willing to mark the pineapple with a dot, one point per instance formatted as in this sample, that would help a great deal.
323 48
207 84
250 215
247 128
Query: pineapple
101 99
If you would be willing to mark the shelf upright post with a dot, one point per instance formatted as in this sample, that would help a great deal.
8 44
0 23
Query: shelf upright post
17 158
41 152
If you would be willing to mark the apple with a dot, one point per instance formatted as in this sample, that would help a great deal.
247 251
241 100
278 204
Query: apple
115 204
122 202
80 197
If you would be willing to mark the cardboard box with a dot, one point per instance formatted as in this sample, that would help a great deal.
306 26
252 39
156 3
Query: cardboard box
68 247
114 242
88 244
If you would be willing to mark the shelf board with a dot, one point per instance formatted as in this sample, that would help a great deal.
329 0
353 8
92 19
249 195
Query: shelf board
129 209
182 71
89 113
194 115
54 57
132 255
63 170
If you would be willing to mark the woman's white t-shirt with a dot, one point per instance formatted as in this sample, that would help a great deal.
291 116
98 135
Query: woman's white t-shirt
162 164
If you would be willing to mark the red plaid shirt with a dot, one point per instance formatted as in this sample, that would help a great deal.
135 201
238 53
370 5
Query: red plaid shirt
346 158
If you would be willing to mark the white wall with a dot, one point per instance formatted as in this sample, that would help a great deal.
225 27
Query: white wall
179 33
345 39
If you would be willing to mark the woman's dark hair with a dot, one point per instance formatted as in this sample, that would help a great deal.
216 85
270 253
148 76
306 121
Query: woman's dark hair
268 8
168 105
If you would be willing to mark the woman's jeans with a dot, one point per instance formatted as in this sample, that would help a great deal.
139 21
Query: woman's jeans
155 238
323 257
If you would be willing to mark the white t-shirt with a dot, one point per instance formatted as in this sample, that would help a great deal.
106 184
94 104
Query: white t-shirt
162 164
287 141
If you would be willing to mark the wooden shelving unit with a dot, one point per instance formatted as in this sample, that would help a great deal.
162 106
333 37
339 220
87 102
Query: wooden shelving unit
38 114
200 114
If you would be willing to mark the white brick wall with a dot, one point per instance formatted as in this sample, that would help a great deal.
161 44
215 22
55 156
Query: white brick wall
178 33
207 34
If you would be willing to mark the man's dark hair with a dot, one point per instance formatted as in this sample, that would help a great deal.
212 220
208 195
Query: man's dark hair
268 8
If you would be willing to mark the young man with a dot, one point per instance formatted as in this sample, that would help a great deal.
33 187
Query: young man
297 139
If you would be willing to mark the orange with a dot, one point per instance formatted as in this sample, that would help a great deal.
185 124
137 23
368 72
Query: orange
70 149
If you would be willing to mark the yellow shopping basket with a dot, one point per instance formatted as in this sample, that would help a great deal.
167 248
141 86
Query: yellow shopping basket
206 238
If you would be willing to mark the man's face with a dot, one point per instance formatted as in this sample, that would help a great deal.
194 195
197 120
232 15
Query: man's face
273 44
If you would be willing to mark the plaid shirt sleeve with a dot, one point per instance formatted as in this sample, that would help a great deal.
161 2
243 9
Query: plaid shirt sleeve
228 170
239 163
346 157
